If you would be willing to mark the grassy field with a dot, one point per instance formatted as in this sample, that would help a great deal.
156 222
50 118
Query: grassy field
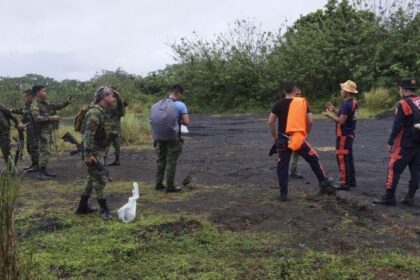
164 245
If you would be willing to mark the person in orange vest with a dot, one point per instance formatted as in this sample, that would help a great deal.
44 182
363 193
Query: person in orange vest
404 145
294 121
345 120
295 156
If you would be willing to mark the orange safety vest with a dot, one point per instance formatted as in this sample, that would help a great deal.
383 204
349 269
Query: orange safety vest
297 123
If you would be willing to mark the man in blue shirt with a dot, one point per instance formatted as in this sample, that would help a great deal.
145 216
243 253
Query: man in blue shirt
168 149
345 120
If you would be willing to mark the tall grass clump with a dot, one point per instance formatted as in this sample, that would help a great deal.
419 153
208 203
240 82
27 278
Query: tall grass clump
12 266
376 101
135 128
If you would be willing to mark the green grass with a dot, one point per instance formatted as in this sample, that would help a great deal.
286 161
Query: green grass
166 245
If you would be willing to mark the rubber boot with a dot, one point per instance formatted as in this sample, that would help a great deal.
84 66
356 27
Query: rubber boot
409 198
84 207
388 199
116 162
104 209
42 176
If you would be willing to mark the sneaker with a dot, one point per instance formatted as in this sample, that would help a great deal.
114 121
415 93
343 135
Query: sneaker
408 200
343 188
327 187
386 200
173 189
160 187
295 175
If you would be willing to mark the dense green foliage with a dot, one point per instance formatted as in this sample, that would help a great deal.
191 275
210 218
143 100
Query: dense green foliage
375 43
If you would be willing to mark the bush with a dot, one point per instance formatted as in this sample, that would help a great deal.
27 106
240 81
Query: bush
378 100
135 128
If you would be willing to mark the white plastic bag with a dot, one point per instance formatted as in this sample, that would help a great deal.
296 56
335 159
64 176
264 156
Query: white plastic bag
127 213
184 129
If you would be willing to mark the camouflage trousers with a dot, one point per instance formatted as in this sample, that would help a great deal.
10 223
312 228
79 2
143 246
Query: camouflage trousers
294 162
44 138
96 180
5 146
32 145
116 144
168 153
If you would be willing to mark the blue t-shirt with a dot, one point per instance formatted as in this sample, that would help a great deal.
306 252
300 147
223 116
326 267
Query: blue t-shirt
349 108
182 109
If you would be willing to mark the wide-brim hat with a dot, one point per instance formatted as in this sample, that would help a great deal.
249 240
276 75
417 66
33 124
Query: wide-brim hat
408 83
349 86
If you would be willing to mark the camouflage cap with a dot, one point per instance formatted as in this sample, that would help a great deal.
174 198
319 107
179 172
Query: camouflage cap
101 93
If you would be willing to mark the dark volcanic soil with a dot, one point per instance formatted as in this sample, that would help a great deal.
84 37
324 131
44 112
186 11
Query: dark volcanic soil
231 152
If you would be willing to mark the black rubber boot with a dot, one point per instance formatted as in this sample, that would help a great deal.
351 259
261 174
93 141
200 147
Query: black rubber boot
327 187
42 176
409 198
388 199
84 207
116 162
104 209
173 189
343 188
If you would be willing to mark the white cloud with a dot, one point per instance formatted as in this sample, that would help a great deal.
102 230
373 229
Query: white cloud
73 39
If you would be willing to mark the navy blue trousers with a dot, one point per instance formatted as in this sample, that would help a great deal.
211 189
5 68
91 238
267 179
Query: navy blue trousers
306 152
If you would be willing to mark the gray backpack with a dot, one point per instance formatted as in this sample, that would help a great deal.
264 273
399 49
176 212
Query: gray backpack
164 120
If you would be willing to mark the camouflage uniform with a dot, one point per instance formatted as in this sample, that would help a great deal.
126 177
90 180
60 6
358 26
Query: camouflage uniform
114 117
41 112
5 117
31 135
95 141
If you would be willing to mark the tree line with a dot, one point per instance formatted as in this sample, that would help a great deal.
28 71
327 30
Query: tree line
373 42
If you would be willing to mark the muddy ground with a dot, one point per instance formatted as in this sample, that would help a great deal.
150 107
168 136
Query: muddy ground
237 185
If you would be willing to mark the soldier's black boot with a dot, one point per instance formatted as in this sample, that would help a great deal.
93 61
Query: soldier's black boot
84 207
387 199
42 176
409 198
116 162
104 209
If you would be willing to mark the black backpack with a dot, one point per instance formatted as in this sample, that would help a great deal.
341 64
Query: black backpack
415 129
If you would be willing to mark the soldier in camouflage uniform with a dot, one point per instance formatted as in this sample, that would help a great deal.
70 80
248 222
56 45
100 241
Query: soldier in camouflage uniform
41 109
96 138
115 113
31 135
5 117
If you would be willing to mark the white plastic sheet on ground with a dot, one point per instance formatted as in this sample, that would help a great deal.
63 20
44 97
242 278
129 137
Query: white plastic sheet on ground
127 213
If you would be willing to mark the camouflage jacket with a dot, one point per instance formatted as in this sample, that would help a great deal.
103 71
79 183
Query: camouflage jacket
42 110
97 133
5 117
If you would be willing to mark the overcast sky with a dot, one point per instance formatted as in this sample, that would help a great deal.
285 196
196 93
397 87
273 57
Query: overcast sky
74 39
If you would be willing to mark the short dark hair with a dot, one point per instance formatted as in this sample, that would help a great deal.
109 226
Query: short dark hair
37 88
288 86
177 89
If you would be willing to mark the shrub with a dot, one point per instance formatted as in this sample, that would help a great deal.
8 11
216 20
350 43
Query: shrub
378 100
